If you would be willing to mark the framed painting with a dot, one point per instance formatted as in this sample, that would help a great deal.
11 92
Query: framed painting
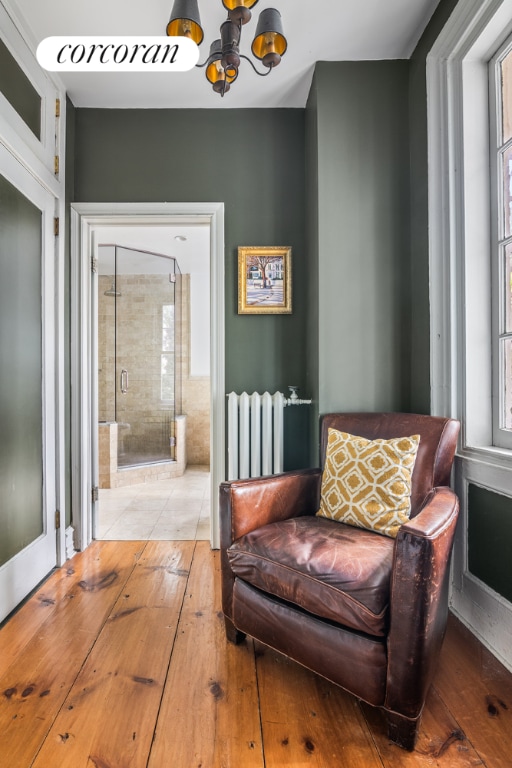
264 280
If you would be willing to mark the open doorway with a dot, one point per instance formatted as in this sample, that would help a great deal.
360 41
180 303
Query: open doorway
151 330
147 228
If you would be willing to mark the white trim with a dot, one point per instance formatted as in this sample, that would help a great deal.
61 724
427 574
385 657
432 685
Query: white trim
459 225
85 217
16 135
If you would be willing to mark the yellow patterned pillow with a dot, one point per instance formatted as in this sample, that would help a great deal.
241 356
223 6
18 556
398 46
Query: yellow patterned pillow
367 483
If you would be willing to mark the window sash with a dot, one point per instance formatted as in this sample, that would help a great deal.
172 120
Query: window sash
501 255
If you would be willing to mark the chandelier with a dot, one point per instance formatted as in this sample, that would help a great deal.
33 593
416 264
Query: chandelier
223 61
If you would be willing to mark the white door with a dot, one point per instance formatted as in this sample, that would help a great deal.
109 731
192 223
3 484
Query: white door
28 542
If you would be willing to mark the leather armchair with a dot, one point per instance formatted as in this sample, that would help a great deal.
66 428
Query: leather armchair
363 610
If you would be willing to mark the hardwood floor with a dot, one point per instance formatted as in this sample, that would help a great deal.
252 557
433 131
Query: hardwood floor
119 660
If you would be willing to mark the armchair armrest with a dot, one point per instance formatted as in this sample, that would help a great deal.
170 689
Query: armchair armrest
248 504
418 601
245 505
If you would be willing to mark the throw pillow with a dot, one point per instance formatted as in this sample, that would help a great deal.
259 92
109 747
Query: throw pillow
367 483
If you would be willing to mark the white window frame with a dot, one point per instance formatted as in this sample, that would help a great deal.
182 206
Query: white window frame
460 217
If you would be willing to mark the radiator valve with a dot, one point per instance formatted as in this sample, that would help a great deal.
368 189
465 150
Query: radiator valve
294 398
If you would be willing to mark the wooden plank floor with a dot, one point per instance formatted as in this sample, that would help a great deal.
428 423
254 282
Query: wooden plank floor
119 661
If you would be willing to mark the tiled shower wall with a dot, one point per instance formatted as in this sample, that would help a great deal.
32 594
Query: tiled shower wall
196 394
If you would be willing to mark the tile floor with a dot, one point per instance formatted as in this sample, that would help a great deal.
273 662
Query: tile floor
176 509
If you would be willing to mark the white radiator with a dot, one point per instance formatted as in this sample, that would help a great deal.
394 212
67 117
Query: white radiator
255 434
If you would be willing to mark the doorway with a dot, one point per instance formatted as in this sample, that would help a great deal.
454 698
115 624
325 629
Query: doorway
92 224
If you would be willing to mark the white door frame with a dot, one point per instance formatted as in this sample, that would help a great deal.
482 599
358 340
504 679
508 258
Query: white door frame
85 218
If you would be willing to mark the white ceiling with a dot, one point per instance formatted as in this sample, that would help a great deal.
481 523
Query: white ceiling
331 30
192 254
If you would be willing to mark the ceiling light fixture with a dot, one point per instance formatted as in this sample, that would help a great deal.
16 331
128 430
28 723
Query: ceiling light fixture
223 61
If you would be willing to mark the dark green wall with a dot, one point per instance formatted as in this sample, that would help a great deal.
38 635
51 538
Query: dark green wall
490 538
313 295
19 91
358 211
251 160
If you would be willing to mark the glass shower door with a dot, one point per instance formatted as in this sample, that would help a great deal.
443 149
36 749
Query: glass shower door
144 288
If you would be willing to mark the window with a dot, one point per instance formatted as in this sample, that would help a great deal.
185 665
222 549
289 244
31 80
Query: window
167 357
501 163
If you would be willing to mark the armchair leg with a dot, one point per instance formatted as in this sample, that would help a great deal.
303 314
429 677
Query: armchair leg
232 633
402 731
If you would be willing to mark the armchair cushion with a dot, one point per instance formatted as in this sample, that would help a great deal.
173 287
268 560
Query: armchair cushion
331 570
367 483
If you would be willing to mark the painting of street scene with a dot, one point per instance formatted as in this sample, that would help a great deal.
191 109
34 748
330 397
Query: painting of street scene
264 280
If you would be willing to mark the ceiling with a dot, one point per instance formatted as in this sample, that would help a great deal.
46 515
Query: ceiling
331 30
188 243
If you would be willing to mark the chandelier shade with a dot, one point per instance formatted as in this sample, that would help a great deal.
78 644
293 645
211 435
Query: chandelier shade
185 21
269 42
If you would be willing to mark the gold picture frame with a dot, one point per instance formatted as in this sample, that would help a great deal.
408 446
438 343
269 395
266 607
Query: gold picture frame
264 280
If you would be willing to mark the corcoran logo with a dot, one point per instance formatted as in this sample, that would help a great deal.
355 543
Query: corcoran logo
117 54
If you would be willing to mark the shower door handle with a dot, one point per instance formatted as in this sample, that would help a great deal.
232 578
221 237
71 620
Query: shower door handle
124 381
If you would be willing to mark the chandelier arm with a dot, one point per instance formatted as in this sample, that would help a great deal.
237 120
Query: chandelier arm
204 63
261 74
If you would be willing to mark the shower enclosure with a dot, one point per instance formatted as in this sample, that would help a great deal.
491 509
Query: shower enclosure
139 354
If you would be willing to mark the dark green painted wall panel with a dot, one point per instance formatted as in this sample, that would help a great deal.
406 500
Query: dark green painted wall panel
313 295
21 443
19 91
490 539
362 234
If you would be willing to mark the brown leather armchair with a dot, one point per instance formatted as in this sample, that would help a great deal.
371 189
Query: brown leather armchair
363 610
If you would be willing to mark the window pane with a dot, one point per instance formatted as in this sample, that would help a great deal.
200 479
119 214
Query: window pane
506 96
506 165
19 91
508 288
168 340
506 350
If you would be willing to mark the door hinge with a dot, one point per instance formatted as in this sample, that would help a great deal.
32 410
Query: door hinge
56 165
57 519
94 264
57 107
56 226
95 494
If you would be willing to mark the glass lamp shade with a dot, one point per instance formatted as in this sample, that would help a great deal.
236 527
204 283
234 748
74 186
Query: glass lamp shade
269 43
239 10
185 21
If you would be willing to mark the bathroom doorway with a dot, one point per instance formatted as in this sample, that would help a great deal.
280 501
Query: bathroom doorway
140 340
98 225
